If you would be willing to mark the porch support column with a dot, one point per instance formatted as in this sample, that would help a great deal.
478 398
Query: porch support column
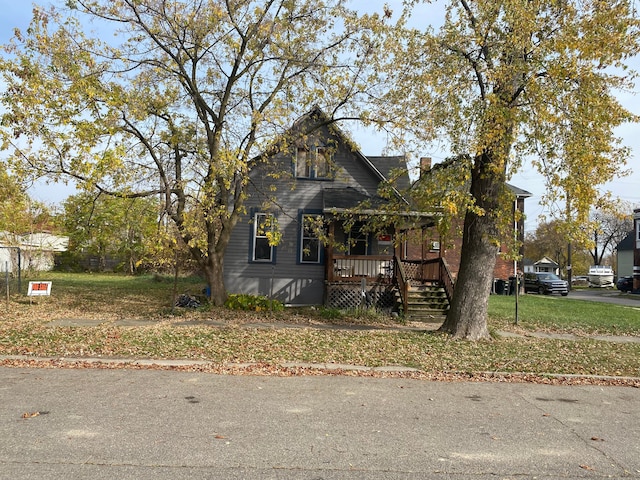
329 253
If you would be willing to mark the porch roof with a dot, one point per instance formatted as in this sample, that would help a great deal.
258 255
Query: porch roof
337 200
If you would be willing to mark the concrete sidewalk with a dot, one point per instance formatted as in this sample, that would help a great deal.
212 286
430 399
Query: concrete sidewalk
105 424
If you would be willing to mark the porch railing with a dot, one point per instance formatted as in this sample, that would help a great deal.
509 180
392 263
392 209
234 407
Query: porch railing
355 267
446 279
403 283
434 270
389 269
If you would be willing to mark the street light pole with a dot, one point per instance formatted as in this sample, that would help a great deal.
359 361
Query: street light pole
515 259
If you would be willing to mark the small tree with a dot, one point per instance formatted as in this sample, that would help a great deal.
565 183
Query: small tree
106 226
15 214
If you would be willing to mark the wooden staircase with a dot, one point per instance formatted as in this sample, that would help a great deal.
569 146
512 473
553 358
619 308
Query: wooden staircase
427 303
424 289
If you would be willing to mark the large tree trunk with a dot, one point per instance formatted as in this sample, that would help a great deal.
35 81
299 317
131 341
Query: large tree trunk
214 273
467 316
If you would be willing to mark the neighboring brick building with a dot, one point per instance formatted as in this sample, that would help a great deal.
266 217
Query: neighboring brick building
427 243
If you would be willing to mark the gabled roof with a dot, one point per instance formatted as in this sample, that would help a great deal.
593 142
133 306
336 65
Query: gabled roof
546 261
518 192
627 242
381 167
387 166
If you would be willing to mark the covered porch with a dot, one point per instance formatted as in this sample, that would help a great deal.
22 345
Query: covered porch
364 261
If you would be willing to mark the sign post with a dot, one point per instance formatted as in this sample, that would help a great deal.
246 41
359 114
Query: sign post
39 289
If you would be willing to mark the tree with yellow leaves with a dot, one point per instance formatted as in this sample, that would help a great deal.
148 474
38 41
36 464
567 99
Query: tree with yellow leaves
173 99
505 80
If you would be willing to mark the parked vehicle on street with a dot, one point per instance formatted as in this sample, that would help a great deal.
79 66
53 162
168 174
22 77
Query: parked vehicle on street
545 283
625 284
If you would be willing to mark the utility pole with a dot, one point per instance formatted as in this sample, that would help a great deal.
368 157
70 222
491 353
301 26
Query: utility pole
569 267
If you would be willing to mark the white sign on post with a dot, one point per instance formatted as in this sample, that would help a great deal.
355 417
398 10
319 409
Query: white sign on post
38 289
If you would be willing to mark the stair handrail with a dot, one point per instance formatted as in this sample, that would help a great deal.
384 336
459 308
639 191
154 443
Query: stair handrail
403 284
446 279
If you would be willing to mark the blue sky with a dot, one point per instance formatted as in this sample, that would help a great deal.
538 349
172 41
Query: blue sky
17 13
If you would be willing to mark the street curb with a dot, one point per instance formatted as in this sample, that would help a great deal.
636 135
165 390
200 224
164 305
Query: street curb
329 367
189 363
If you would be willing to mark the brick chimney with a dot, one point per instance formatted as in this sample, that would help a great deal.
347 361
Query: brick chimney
425 165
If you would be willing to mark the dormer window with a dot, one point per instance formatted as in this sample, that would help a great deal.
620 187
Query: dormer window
312 163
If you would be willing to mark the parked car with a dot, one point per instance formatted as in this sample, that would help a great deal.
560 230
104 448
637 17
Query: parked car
625 284
545 283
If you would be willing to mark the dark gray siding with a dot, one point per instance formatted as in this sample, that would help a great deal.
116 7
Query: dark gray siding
287 279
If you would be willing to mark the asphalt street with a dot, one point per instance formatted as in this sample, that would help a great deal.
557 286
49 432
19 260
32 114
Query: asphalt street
151 424
606 295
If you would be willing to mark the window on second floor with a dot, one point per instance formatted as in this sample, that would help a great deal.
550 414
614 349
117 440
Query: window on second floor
312 163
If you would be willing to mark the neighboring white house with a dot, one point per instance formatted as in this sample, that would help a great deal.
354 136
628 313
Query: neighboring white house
545 264
36 251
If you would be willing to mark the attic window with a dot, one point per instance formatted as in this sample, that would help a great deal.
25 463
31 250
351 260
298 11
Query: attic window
312 163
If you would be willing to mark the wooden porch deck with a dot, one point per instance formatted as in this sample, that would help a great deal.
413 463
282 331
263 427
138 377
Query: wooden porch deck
359 276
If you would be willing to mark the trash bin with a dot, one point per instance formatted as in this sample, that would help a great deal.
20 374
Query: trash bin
512 285
499 286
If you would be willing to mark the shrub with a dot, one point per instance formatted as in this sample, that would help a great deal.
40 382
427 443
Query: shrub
256 303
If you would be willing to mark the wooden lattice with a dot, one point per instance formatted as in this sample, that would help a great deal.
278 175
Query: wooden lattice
413 271
345 296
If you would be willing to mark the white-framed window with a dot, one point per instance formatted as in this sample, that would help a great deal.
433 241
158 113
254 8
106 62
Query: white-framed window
263 224
322 162
310 246
312 163
303 163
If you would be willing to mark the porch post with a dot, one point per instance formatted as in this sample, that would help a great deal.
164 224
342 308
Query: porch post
329 254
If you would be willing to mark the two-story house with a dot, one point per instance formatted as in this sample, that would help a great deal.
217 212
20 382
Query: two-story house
317 230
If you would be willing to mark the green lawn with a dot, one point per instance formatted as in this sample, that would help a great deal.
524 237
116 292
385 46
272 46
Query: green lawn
565 314
26 328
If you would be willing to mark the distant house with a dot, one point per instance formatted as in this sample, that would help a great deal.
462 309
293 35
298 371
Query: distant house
546 265
34 251
527 265
624 255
